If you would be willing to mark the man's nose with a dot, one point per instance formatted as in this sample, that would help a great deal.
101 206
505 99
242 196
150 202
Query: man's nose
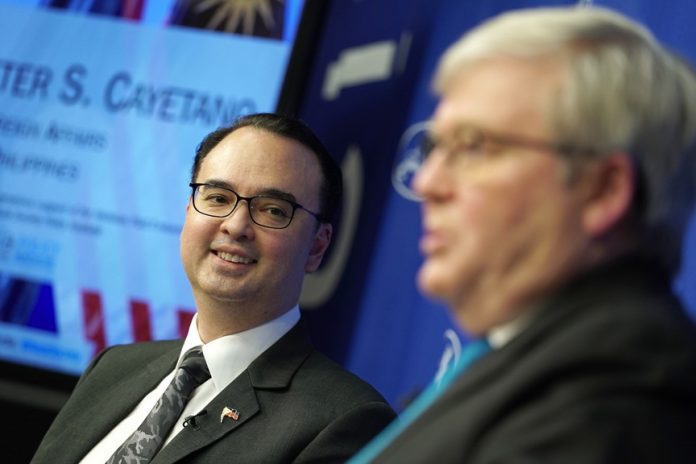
238 223
433 178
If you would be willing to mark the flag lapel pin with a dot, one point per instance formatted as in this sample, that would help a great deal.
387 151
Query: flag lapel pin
231 413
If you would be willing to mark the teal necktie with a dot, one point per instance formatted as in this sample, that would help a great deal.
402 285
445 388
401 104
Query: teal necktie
471 353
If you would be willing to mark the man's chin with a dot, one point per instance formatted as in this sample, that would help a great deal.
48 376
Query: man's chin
431 281
222 290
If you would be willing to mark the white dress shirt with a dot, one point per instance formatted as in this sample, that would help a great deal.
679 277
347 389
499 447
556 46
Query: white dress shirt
227 357
502 335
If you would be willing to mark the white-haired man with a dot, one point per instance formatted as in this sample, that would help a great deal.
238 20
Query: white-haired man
552 216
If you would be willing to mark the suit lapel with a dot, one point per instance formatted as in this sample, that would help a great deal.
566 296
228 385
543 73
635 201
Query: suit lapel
106 409
239 395
272 370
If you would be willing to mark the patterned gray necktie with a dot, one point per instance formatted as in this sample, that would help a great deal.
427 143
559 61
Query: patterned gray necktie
145 442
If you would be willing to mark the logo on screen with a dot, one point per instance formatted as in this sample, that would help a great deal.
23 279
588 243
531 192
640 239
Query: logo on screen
409 159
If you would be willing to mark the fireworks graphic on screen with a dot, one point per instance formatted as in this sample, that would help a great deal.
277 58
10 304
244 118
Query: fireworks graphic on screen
236 13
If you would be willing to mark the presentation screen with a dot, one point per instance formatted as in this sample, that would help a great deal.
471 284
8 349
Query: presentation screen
102 105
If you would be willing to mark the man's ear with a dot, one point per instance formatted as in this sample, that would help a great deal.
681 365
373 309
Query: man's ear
322 239
609 190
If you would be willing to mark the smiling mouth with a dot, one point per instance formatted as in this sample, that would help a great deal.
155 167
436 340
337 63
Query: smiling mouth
233 258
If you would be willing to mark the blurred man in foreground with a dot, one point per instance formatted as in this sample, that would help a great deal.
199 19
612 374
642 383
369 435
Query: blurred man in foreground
554 201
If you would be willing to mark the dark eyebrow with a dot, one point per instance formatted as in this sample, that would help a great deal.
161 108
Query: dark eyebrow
268 192
280 194
218 183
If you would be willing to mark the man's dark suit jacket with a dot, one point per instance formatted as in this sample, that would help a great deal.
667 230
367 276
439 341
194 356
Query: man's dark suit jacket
294 404
606 374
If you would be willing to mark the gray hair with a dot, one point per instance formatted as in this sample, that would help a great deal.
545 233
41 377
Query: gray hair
623 93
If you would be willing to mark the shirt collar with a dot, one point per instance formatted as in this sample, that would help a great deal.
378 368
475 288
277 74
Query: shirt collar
501 335
229 356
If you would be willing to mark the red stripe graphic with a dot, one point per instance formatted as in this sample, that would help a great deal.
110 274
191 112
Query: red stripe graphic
184 316
140 318
93 319
133 9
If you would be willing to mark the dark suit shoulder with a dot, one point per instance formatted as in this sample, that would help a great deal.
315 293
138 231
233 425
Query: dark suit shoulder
124 358
604 372
326 413
628 320
312 380
115 381
333 381
143 351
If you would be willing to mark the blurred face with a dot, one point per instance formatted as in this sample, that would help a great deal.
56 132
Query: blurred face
236 262
501 223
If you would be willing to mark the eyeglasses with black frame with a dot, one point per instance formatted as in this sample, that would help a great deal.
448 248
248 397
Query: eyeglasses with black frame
264 210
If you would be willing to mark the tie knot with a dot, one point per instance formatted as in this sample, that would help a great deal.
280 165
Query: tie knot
194 364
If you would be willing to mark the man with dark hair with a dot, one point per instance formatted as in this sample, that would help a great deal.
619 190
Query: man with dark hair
554 201
245 385
331 187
